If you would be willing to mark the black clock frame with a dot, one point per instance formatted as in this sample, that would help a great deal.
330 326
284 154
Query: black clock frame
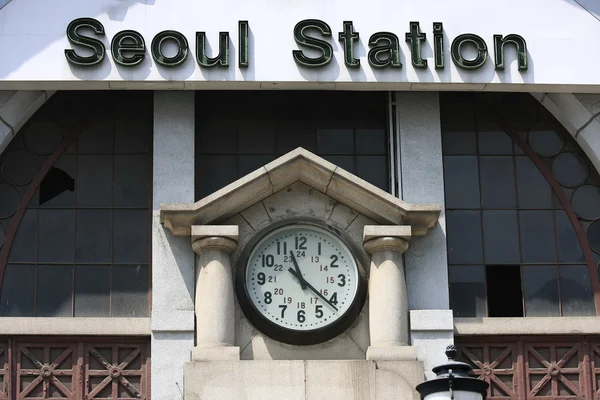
291 336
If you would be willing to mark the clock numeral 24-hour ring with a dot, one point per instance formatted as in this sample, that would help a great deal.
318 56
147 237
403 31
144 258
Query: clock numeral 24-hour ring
305 262
303 282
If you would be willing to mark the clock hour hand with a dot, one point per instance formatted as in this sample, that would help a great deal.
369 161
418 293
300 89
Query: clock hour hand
298 273
311 287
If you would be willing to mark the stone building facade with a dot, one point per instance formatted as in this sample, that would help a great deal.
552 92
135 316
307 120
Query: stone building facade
155 156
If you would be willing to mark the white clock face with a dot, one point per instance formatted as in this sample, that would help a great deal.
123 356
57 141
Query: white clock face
301 278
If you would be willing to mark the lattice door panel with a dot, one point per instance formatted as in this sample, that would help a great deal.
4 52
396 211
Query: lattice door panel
4 370
47 371
497 364
555 371
595 368
116 372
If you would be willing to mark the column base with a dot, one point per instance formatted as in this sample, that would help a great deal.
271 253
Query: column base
392 353
220 353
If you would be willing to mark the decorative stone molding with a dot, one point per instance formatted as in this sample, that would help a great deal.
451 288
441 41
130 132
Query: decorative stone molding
388 298
581 120
304 166
15 110
527 326
215 307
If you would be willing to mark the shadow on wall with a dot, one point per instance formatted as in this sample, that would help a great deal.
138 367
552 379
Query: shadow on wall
118 11
592 6
3 3
13 11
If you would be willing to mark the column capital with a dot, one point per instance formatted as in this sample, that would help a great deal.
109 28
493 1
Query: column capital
386 237
214 237
218 243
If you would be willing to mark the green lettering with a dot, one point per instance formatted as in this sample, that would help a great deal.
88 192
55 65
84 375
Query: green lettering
303 39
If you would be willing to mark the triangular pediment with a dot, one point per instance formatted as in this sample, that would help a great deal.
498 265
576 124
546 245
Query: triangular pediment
300 165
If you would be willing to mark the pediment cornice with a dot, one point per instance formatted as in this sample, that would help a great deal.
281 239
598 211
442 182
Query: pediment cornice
314 171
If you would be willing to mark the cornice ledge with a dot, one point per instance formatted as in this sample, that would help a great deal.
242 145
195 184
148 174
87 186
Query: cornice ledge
316 172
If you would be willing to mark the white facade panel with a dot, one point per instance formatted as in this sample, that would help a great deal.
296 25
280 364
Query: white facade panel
561 37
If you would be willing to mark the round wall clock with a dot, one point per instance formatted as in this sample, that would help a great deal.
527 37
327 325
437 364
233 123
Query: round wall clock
300 284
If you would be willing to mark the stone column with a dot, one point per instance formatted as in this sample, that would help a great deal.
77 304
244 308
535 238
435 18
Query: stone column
388 298
172 257
215 312
421 158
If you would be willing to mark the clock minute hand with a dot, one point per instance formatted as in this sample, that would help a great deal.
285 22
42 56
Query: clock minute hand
312 288
298 273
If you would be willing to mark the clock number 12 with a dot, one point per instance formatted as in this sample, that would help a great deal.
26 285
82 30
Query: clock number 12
301 243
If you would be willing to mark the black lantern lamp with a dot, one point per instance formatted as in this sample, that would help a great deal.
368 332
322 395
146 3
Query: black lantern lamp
453 382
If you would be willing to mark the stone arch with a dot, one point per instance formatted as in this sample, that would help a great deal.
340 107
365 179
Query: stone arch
16 107
580 116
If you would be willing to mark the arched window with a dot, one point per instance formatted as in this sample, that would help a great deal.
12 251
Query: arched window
75 196
522 210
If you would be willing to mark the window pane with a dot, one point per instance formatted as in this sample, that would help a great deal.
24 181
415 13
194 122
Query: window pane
256 136
207 181
217 136
92 241
501 237
335 141
19 166
540 288
24 248
586 202
545 141
537 236
18 291
497 182
130 291
461 180
130 236
577 295
371 141
464 237
3 231
132 181
94 181
467 291
460 143
371 169
55 291
569 249
42 136
570 170
292 134
133 125
98 138
493 141
9 199
458 127
92 291
533 189
56 235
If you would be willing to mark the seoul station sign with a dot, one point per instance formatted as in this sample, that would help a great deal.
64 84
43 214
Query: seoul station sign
128 47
